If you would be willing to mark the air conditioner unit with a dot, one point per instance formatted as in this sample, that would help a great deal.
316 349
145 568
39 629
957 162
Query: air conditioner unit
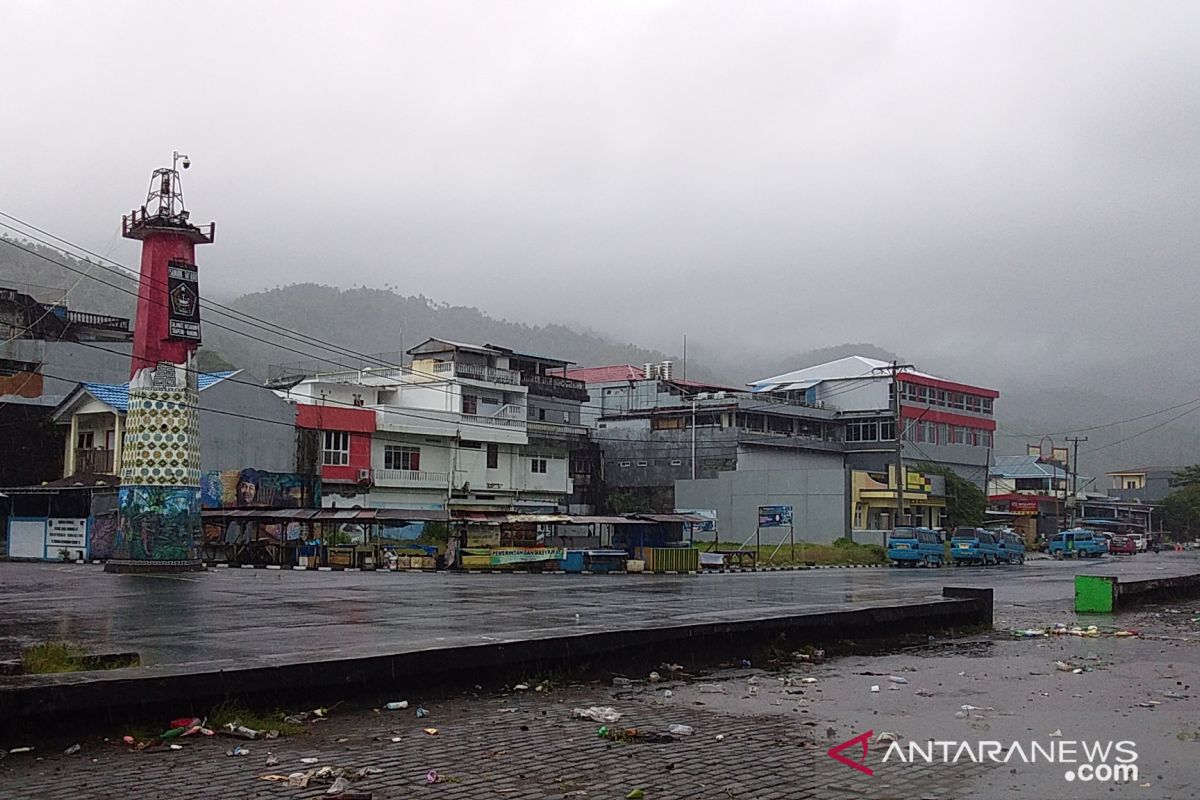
364 476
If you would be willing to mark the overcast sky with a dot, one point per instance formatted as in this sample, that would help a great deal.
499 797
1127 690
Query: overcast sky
1009 184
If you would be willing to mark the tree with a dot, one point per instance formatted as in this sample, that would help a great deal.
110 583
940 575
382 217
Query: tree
1181 509
1188 476
965 502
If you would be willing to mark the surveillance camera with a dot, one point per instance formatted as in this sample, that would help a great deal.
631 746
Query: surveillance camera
186 163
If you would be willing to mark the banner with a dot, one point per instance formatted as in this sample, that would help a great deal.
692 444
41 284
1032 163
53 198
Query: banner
523 555
252 488
183 302
774 516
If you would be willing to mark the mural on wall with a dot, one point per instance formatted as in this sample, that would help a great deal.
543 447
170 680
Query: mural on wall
252 488
104 537
240 531
159 523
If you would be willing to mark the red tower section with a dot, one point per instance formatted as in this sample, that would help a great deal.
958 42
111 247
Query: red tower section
167 325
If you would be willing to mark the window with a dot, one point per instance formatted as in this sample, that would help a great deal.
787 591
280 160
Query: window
542 414
400 457
676 462
537 466
887 430
1130 483
862 431
958 400
358 401
470 445
470 404
626 464
87 440
493 456
960 435
987 405
336 449
642 464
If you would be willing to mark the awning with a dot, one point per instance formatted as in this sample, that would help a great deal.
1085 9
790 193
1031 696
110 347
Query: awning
411 515
669 518
603 521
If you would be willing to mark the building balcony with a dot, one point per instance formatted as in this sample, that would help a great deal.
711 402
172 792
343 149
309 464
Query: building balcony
554 386
474 372
99 462
557 430
411 478
498 421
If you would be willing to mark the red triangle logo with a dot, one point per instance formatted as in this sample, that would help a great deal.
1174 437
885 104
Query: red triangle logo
862 740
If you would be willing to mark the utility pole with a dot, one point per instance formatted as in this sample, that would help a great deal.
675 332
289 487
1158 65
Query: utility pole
1074 470
892 370
693 437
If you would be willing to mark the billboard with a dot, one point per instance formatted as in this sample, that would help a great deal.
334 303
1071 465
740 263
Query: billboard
183 301
253 488
774 516
709 525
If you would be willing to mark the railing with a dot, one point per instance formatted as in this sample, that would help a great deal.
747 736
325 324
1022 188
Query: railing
99 321
356 375
511 411
99 462
478 373
557 429
498 422
411 477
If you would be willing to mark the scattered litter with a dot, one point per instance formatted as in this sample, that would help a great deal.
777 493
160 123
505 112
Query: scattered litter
238 751
1149 704
398 705
619 681
128 740
430 731
422 713
299 780
893 688
242 732
1056 733
186 722
635 794
711 688
898 679
606 714
808 680
176 746
72 750
272 760
521 687
1028 633
672 667
396 739
276 778
720 737
16 750
977 708
1173 695
886 736
432 776
541 687
923 693
338 786
960 715
309 760
668 694
655 677
746 663
875 687
681 730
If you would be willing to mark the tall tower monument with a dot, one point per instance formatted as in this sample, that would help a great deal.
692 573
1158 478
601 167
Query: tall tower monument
159 500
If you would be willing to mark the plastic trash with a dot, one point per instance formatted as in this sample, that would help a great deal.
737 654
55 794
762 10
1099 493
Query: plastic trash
275 778
808 680
635 794
960 715
1028 633
432 776
241 731
1063 666
711 688
238 751
299 780
977 708
175 746
746 663
272 760
1056 733
668 694
309 760
720 737
398 705
923 693
185 722
521 687
72 750
681 730
655 677
430 731
422 713
619 681
338 786
605 714
898 679
875 687
886 736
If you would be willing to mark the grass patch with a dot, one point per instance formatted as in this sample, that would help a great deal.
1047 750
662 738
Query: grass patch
47 657
843 551
234 712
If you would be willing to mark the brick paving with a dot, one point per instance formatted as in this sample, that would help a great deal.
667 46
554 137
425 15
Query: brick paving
521 745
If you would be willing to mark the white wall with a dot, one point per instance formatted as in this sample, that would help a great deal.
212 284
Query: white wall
855 394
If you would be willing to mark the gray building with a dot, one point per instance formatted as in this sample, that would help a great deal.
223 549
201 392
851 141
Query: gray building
1141 484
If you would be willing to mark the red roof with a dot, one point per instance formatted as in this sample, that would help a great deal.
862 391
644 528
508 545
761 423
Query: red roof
617 372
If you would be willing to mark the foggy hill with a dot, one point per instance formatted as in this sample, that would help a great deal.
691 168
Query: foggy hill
373 321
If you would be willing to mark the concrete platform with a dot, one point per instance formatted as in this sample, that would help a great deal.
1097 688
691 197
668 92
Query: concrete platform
244 632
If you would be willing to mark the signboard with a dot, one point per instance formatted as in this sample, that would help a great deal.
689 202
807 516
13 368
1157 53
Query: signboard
524 555
774 516
709 525
254 488
1022 506
183 301
916 482
66 534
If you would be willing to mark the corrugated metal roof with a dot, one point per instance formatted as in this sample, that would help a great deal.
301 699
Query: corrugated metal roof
116 395
609 374
1025 467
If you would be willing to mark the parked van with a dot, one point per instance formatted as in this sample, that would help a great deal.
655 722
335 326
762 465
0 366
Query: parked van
1010 547
973 546
915 546
1077 543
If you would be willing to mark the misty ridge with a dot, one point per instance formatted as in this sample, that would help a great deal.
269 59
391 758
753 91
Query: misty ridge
1034 403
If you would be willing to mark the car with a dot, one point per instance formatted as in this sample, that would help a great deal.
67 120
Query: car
915 547
1010 547
1077 543
1123 544
973 546
1141 540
